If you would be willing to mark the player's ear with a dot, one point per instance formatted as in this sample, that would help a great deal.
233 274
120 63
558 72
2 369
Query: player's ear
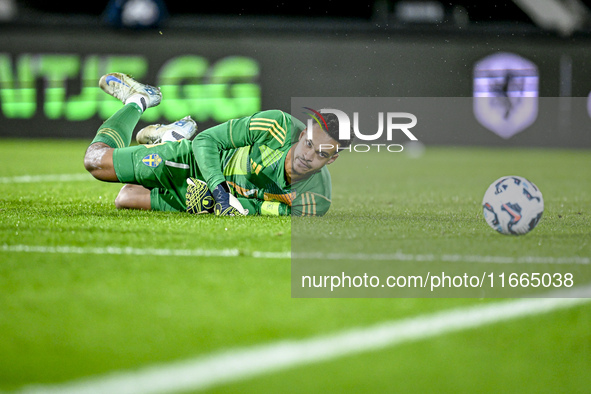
333 158
302 134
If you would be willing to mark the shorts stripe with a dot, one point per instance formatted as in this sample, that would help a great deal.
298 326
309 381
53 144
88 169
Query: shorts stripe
177 165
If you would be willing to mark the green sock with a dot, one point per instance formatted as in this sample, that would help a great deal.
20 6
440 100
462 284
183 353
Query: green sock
117 130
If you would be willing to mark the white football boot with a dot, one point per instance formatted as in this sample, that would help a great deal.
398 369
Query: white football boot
124 87
185 128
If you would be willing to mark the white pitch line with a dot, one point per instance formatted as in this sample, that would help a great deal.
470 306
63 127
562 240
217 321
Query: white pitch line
111 250
46 178
398 256
238 364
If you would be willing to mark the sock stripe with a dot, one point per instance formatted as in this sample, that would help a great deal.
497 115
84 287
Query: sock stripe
114 136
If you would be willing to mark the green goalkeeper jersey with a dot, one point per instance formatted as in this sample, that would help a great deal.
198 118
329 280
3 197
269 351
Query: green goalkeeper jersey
249 154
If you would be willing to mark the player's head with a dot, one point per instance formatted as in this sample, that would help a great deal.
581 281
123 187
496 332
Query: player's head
332 125
319 148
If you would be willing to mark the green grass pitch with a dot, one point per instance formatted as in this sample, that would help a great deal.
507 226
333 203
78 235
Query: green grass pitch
66 314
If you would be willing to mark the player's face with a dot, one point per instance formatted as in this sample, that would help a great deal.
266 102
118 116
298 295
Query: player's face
311 154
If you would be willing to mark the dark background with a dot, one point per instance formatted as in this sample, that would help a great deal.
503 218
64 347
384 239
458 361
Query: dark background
314 49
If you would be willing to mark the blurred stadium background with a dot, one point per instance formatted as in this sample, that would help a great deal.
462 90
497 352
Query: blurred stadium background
64 316
218 62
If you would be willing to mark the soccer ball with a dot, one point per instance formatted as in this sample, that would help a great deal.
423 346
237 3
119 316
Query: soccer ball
512 205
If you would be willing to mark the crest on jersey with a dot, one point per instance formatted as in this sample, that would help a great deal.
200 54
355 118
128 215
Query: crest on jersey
152 160
505 91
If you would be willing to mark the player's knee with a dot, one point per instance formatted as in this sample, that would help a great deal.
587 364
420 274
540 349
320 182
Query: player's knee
122 199
93 157
120 202
96 161
133 197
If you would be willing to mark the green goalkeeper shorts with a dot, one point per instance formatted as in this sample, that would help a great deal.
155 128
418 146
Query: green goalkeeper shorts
163 168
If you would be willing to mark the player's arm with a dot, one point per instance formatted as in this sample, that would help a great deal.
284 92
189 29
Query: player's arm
207 148
268 126
272 126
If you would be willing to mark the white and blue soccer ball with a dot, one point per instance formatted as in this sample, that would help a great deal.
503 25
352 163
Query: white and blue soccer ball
513 205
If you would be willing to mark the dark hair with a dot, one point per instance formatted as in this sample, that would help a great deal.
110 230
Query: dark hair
332 121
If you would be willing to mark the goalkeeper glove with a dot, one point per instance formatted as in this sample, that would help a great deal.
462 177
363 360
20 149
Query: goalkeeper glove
198 197
225 203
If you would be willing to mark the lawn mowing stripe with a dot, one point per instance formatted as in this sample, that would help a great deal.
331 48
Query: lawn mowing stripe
398 256
46 178
233 365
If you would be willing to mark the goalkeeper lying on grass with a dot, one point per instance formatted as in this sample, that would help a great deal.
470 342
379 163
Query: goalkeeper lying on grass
245 166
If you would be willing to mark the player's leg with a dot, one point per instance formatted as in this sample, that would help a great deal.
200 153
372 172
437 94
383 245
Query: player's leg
116 131
138 197
185 128
133 197
163 167
98 160
198 198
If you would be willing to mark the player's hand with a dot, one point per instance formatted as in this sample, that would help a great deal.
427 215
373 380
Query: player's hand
225 203
198 197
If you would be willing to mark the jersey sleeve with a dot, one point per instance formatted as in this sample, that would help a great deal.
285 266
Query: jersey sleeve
313 196
271 127
310 204
265 208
